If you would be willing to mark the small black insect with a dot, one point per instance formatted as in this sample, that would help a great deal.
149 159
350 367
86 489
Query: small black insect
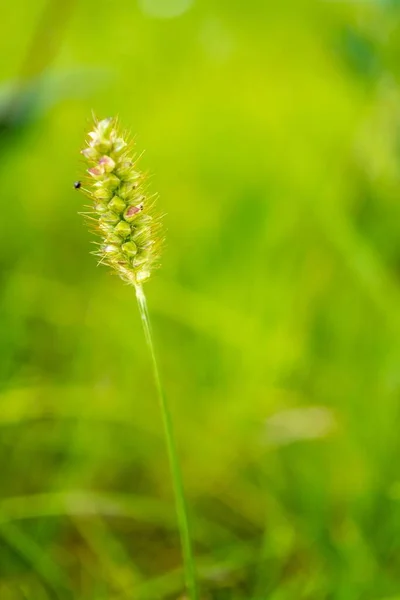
77 184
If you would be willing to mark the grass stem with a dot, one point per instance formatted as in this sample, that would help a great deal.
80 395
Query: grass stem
181 508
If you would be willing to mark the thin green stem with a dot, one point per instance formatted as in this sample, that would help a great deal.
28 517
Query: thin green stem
181 509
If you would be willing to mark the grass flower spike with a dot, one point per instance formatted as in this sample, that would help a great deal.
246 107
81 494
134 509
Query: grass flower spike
123 212
130 231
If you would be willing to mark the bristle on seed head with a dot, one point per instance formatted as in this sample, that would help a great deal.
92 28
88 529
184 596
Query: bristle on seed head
122 211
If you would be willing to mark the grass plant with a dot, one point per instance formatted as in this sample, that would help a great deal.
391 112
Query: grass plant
124 217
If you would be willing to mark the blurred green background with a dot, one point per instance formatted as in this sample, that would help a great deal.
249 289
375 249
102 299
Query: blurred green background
272 132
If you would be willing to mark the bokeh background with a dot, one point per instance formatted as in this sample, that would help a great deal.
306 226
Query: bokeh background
272 132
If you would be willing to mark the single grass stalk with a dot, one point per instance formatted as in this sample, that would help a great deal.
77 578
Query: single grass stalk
181 509
123 216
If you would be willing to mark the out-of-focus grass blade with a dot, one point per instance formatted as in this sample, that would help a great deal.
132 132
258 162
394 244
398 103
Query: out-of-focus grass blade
37 558
114 561
33 98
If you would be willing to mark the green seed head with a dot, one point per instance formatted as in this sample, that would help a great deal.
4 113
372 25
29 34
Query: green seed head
125 220
123 229
117 205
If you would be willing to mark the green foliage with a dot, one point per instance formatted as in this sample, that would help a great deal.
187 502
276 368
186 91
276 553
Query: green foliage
272 133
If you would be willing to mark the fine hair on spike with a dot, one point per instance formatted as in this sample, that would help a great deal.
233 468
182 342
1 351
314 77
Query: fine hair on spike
122 212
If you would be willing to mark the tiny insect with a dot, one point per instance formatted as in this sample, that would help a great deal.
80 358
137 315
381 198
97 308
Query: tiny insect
77 184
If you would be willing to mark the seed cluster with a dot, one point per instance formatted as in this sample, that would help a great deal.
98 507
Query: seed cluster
123 213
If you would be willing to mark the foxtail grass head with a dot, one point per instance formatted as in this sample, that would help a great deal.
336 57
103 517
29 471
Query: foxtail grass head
122 213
